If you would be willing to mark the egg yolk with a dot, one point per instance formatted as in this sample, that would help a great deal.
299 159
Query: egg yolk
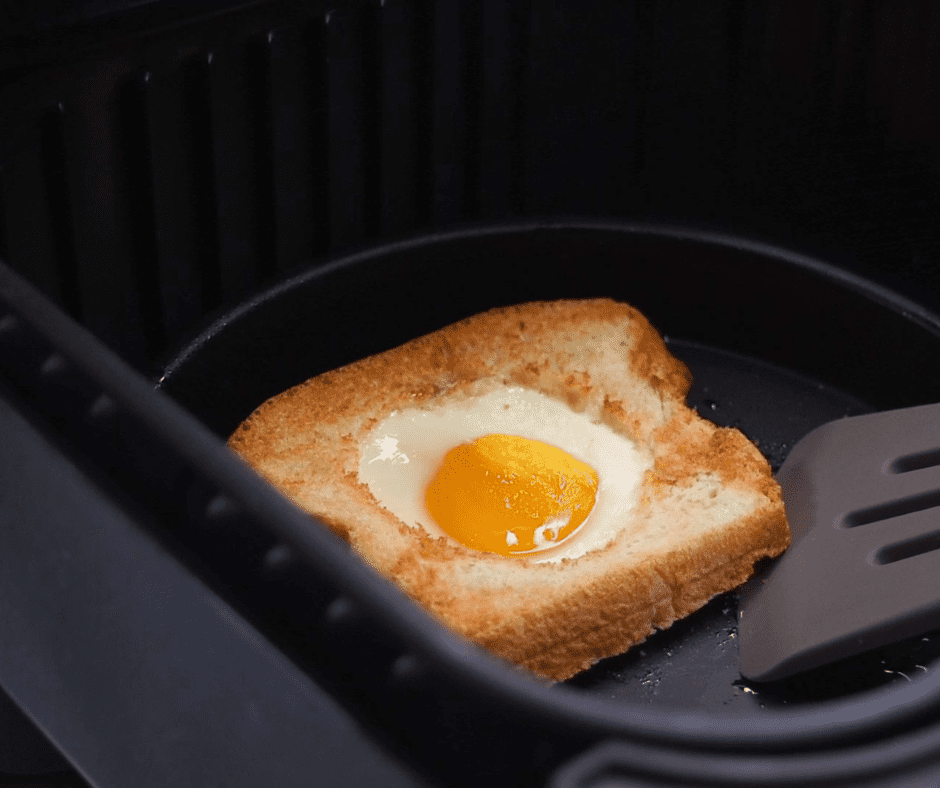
506 494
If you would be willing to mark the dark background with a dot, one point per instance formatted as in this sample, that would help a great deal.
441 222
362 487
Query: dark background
160 159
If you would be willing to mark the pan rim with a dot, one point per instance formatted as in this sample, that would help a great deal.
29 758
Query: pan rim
865 716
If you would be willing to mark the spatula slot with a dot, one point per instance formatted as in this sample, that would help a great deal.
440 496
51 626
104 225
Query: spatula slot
897 508
915 462
907 549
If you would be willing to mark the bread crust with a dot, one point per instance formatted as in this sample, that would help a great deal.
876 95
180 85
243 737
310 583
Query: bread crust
709 506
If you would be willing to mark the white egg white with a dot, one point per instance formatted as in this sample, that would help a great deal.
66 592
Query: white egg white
401 455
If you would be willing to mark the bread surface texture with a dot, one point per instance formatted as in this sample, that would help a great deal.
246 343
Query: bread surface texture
706 509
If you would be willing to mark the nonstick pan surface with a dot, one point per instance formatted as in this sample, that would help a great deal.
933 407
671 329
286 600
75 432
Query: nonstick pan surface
778 343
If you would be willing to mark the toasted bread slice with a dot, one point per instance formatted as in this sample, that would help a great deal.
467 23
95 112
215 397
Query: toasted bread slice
706 508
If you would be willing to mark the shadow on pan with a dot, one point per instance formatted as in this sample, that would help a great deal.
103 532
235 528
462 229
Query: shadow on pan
777 343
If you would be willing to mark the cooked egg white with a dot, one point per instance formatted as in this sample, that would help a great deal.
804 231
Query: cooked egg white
400 457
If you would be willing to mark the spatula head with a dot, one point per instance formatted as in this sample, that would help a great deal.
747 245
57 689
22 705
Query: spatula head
862 497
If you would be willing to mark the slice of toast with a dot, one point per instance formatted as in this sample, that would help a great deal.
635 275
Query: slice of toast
706 509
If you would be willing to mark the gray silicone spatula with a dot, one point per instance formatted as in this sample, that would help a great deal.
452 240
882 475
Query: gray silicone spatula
863 500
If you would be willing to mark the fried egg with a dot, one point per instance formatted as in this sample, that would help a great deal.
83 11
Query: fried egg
512 471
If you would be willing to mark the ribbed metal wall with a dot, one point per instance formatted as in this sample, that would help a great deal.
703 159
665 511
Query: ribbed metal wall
151 178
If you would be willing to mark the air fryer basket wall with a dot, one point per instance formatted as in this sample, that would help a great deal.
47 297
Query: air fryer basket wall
159 160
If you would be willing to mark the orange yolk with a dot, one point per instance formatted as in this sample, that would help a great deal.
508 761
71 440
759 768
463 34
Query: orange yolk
506 494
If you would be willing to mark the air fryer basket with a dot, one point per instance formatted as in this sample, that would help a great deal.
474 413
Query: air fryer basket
435 702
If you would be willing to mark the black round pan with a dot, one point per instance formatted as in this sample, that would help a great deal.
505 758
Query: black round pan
777 343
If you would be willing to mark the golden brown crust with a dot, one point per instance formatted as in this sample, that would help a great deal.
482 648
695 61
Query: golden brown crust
708 508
